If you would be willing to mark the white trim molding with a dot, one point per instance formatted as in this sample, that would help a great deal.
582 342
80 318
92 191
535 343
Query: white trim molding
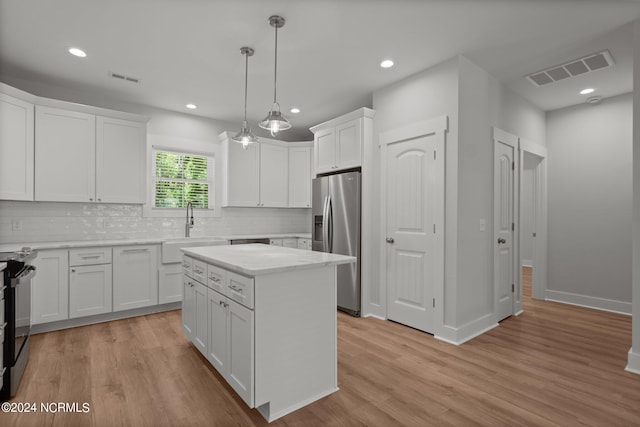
603 304
633 365
468 331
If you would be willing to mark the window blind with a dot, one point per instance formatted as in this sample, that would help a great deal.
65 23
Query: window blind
181 178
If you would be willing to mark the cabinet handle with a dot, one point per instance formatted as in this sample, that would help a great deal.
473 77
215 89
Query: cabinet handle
99 200
91 199
237 289
90 256
73 270
136 250
215 279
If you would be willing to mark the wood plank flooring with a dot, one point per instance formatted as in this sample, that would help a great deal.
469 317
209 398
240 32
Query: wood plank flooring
553 365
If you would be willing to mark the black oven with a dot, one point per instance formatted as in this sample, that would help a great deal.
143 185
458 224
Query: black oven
17 308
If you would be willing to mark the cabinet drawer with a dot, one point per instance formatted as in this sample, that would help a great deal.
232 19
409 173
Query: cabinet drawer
216 278
187 264
290 243
303 243
89 256
240 289
199 269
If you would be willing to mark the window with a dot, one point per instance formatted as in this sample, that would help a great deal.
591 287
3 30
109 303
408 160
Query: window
180 178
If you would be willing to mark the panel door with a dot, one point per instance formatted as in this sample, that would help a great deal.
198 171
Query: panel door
16 149
188 306
503 224
135 277
300 177
120 160
64 156
414 202
50 287
218 342
324 150
200 333
274 176
243 175
90 290
348 145
240 330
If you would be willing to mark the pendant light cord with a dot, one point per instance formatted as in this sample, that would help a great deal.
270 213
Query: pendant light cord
275 70
246 79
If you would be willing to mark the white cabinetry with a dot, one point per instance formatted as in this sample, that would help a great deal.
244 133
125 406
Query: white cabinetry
338 144
90 282
274 175
170 283
16 149
300 177
81 157
135 276
50 287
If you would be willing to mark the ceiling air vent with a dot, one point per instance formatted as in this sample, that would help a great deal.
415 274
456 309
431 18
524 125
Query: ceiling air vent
123 77
596 61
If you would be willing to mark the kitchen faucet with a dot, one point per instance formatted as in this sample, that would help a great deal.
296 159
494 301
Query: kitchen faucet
189 224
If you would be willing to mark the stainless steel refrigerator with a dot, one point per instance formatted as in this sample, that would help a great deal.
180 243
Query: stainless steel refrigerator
336 229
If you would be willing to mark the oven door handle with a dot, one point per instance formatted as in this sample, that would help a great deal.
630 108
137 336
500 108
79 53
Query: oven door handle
28 274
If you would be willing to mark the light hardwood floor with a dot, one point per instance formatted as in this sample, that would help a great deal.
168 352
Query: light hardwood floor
553 365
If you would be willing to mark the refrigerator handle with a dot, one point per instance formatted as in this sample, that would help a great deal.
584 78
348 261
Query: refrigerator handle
330 217
325 228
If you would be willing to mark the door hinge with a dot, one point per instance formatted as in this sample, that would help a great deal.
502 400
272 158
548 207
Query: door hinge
513 226
434 154
513 166
513 287
434 303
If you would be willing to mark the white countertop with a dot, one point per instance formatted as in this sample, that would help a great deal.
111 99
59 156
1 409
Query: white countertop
258 259
12 247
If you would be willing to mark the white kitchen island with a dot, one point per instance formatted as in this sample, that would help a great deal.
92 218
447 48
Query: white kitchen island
265 318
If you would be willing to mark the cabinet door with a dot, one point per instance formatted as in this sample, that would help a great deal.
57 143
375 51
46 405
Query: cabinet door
120 161
50 287
348 145
243 175
217 350
274 176
90 290
240 332
188 306
290 243
64 156
300 177
170 284
275 242
135 277
200 333
324 150
16 149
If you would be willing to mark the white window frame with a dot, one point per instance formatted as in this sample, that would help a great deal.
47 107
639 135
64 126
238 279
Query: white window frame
208 149
209 181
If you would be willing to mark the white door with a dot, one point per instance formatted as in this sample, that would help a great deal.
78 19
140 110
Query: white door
300 177
504 223
50 287
274 175
348 144
135 277
16 149
324 150
217 350
200 336
413 174
241 351
90 290
188 306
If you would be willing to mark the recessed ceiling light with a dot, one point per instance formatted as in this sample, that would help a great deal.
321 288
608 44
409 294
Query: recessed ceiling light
77 52
586 91
387 63
191 106
295 110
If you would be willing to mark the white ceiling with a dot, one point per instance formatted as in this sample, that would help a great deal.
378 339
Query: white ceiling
189 50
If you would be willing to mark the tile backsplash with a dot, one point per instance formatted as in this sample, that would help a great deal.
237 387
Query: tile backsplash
27 222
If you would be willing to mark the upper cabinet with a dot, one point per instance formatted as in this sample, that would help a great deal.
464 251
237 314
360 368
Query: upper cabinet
16 148
338 143
267 174
81 157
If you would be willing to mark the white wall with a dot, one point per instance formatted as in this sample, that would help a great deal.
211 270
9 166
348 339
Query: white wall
634 353
527 214
78 221
589 204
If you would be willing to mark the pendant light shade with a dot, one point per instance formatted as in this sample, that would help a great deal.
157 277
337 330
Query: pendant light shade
275 122
245 136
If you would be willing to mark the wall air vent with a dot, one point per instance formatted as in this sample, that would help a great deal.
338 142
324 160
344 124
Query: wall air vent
593 62
123 77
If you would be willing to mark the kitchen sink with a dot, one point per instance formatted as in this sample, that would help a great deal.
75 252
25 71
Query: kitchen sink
171 248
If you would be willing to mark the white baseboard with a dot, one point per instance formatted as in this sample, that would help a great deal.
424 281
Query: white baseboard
526 263
375 316
589 302
633 365
468 331
373 310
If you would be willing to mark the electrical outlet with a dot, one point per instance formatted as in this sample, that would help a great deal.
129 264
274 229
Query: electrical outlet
483 225
16 225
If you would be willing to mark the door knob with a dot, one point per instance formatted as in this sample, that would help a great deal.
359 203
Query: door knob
501 240
390 240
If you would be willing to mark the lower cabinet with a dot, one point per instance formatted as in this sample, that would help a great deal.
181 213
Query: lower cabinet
135 276
230 339
170 283
194 313
90 289
50 287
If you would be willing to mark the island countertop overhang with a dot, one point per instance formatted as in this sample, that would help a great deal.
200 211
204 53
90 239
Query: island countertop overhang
259 259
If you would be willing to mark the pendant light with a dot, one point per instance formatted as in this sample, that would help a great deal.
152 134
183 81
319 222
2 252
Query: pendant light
275 122
245 136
